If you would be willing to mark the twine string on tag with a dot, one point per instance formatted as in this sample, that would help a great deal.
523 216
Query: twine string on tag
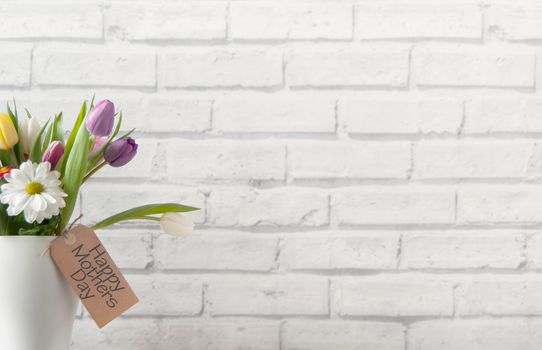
69 238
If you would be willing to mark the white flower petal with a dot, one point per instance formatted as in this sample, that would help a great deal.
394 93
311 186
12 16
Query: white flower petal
38 203
176 224
50 199
29 214
27 169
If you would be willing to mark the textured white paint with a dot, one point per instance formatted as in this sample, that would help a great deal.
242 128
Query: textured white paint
369 172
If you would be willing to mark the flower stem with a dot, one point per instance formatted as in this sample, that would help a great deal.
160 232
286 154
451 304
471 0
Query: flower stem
13 157
145 217
93 171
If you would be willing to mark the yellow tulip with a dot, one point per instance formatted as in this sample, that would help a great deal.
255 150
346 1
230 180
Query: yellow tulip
8 134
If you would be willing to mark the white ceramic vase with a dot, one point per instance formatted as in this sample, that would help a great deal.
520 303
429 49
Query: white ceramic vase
37 307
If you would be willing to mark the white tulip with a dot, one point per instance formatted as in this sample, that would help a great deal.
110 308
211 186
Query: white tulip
176 224
28 130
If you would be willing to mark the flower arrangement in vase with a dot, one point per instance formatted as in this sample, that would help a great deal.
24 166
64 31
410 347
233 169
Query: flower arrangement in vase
43 168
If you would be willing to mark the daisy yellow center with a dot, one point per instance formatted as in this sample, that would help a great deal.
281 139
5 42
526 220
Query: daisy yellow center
34 188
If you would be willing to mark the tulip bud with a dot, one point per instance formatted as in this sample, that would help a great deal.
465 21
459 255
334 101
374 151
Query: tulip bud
120 152
176 224
101 118
8 134
53 153
28 131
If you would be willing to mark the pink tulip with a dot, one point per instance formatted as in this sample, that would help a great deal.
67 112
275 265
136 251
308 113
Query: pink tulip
53 153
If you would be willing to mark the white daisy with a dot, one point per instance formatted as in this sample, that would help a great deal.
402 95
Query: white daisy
34 189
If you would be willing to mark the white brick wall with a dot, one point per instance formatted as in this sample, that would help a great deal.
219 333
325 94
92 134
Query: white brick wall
472 67
369 172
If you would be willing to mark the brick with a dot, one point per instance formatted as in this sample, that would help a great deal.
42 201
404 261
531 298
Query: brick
241 207
359 67
513 296
534 165
324 335
215 69
394 206
268 295
274 114
123 334
15 67
515 22
418 20
504 114
496 334
192 21
534 251
394 296
462 250
42 20
135 333
224 159
324 160
166 295
44 106
130 249
473 68
499 205
163 113
400 116
466 159
102 200
146 112
331 251
183 335
94 66
299 21
217 251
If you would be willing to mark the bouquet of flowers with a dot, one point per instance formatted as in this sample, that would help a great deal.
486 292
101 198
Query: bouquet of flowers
43 168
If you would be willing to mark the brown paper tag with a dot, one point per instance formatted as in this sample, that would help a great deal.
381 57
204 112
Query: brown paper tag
92 274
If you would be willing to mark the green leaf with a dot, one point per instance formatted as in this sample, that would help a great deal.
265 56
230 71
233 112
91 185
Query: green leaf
35 151
117 127
46 228
54 132
12 116
74 173
149 209
69 144
92 101
4 158
59 130
15 120
46 140
126 134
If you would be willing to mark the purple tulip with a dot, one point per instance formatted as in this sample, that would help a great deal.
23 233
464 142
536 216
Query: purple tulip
101 118
120 152
53 153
